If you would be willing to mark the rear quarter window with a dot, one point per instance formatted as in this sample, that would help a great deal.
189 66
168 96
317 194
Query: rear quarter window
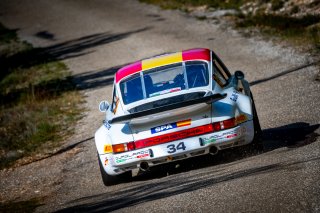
197 74
219 75
131 89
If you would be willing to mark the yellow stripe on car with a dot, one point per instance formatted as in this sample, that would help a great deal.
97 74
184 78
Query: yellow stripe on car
162 60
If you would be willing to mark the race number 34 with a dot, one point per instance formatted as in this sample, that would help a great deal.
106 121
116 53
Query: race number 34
173 148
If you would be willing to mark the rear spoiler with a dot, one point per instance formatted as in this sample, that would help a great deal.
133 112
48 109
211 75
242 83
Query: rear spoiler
206 99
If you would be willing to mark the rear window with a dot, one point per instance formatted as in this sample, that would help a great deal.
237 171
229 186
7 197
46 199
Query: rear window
164 80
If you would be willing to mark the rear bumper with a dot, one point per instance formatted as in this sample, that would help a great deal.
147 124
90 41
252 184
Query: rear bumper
164 153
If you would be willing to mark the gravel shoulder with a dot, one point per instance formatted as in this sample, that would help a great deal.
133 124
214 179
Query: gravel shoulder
95 37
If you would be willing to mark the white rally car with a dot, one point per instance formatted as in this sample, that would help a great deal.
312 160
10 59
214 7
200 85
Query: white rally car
172 107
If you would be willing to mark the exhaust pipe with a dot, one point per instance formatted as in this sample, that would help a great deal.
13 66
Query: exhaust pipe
213 150
144 166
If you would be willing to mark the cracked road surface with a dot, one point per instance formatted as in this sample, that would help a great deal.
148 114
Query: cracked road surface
96 37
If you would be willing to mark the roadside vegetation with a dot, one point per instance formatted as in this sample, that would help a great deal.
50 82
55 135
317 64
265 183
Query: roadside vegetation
294 21
187 5
38 101
299 31
21 206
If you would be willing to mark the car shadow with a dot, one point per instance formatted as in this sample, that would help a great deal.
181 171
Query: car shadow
162 184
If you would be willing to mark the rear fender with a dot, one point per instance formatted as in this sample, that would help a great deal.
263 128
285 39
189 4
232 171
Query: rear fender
110 134
244 105
102 138
233 105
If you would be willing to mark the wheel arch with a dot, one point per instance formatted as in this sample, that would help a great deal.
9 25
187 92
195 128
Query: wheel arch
101 138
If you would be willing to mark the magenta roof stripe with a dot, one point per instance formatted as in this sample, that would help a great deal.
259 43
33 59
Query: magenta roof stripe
128 70
194 54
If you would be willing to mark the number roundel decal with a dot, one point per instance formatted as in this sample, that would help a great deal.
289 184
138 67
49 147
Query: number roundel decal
173 148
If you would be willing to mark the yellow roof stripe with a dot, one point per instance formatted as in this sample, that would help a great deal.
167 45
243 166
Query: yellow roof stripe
162 60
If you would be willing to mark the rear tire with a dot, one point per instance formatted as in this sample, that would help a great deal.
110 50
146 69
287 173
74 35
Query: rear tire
109 180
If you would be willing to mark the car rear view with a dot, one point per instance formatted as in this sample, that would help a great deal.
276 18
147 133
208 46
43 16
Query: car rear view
170 108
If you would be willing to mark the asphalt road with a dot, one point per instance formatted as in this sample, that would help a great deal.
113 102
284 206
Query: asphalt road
94 38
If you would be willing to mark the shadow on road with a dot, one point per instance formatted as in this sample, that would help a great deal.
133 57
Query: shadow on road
45 35
64 50
80 46
30 57
170 186
294 69
292 136
61 150
96 79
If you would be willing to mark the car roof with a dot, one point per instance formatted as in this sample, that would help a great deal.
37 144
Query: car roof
186 55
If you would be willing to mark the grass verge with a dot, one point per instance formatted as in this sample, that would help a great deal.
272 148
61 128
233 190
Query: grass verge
38 100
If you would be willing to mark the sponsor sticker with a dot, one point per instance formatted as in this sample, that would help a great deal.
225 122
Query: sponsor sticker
140 154
232 136
107 124
106 161
165 92
174 125
215 138
234 96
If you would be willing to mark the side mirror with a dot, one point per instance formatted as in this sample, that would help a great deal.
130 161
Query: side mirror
104 106
239 75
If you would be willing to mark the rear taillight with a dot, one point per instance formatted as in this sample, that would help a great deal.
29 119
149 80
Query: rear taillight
119 147
131 146
123 147
226 124
241 118
230 123
216 126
